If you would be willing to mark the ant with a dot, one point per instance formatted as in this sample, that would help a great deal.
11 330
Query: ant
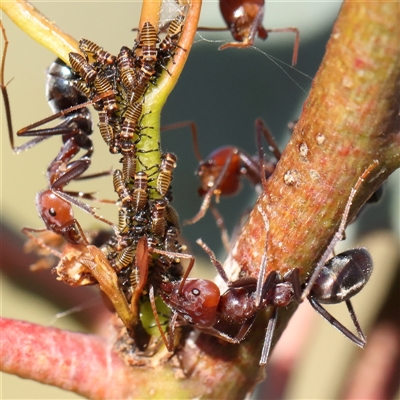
221 170
244 20
54 204
199 303
65 101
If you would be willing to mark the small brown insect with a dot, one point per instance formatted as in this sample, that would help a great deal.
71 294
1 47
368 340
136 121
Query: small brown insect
106 131
164 178
121 189
82 67
124 258
100 55
139 195
158 217
143 78
126 69
130 126
148 40
129 166
166 49
103 86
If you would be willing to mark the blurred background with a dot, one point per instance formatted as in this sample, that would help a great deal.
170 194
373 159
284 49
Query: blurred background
223 92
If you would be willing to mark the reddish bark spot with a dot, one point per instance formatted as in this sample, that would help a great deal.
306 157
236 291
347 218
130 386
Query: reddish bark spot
358 63
345 151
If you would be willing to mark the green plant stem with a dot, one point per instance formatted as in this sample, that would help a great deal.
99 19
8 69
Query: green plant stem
156 96
39 28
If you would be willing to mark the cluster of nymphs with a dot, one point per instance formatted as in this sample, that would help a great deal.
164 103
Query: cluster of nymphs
117 86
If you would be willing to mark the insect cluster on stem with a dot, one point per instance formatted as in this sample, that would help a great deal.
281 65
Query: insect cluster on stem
139 262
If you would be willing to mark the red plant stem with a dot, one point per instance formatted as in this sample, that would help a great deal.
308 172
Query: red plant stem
71 361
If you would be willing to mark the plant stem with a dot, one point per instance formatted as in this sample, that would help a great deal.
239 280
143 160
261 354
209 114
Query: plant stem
156 96
37 26
349 119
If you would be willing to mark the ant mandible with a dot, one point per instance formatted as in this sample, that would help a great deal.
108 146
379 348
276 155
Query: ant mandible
198 301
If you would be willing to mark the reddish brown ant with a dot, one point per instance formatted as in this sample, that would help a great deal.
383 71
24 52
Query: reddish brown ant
199 303
220 173
244 20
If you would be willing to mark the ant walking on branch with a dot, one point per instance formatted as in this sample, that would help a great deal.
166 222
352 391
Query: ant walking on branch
199 302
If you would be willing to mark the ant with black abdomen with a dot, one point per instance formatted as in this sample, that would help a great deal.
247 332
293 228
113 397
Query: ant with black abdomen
54 204
199 302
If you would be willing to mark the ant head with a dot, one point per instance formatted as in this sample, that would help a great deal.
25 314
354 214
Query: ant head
57 214
54 211
221 170
196 302
240 16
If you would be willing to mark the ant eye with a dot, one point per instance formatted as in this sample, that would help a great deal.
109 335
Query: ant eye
196 292
52 212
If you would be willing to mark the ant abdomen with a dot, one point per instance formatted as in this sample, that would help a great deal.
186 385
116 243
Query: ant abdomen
343 276
60 92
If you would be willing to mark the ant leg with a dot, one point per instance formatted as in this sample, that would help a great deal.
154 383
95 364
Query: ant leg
272 145
296 41
4 91
83 236
76 169
210 193
62 113
240 45
95 175
294 279
266 168
268 337
339 234
89 196
84 207
218 266
207 29
359 341
221 225
171 254
355 321
193 128
107 278
169 343
39 242
259 294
